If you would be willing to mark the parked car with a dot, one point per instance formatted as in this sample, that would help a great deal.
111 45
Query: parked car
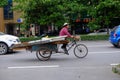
7 41
115 36
100 32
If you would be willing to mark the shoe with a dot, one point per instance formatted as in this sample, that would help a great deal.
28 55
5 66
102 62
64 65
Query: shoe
65 51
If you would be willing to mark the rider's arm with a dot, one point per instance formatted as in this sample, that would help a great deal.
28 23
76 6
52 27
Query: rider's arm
67 33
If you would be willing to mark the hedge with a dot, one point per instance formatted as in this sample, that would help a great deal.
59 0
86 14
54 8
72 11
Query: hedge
83 38
94 37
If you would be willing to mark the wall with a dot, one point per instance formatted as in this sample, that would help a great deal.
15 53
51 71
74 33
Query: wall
2 26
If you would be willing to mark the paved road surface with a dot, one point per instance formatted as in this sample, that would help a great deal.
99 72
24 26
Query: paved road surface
23 65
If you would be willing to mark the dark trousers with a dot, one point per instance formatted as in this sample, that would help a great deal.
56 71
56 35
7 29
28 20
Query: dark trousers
64 45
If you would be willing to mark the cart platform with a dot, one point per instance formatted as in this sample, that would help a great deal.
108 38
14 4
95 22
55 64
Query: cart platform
41 42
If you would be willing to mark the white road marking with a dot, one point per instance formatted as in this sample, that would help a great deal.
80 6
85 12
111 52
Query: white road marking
100 46
21 67
104 52
115 64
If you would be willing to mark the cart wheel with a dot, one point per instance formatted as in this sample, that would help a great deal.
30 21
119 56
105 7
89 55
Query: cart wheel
43 54
80 51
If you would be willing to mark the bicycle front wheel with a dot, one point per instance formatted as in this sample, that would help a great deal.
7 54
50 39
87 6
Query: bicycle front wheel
80 51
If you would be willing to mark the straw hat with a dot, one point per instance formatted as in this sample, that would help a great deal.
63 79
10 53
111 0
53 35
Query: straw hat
65 24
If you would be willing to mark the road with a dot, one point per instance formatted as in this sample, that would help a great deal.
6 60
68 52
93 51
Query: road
23 65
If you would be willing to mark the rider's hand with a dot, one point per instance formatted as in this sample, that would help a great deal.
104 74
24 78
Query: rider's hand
72 36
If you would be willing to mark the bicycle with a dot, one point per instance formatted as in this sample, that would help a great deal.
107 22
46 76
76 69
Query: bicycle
80 50
46 50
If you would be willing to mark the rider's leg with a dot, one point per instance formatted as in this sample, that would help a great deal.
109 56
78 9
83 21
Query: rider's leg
64 48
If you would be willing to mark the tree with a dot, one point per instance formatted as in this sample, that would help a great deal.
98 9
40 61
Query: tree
45 12
105 11
42 12
3 3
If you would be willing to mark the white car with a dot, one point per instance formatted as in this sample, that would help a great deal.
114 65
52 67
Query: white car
100 32
6 42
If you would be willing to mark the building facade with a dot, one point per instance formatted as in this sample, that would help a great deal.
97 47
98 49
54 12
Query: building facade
9 19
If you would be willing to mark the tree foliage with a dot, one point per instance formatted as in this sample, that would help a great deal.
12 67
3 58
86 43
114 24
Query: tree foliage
45 12
3 3
105 11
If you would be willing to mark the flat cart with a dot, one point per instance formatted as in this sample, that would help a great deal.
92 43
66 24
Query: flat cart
46 46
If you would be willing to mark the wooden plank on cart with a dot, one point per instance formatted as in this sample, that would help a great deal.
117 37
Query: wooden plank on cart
60 42
22 45
54 40
58 38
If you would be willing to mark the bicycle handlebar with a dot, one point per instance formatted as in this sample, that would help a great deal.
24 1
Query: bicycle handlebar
76 38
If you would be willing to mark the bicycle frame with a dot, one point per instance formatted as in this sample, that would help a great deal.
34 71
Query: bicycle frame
70 45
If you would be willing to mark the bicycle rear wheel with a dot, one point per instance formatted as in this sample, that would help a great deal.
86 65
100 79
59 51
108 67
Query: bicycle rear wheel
80 51
43 54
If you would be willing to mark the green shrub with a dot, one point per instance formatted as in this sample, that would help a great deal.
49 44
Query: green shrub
83 38
94 37
29 39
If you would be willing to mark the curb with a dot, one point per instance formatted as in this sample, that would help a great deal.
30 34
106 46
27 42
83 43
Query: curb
116 68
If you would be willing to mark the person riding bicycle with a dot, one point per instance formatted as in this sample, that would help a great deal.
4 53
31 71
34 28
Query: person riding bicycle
63 32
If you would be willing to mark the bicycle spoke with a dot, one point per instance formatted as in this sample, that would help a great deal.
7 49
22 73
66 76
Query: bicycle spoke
80 51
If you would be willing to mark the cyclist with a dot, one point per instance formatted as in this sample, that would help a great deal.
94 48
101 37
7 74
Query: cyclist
63 32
